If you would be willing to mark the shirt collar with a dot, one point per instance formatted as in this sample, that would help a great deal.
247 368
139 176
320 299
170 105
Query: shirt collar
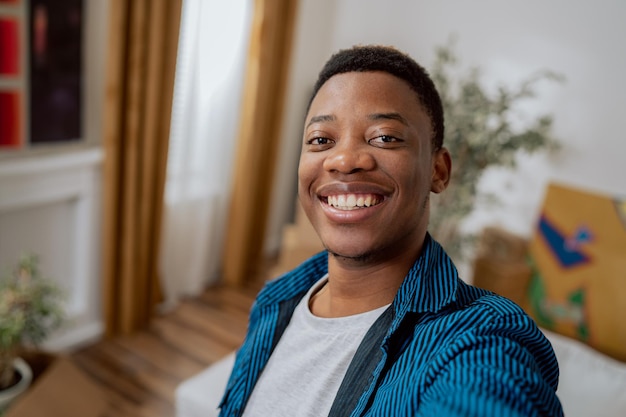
430 285
295 282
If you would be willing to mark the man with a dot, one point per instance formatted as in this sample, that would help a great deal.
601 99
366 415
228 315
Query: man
380 324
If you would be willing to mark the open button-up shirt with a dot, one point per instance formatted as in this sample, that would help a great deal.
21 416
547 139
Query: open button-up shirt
443 348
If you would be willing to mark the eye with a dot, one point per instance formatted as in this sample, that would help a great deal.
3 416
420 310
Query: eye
384 141
318 141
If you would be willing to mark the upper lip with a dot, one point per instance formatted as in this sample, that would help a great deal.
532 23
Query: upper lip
351 188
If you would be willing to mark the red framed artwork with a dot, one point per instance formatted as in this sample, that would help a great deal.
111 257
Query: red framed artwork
9 46
41 72
11 77
10 119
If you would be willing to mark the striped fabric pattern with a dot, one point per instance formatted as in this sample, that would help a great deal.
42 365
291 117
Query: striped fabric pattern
451 349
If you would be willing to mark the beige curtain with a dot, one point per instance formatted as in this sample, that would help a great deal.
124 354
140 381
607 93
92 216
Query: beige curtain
259 137
143 38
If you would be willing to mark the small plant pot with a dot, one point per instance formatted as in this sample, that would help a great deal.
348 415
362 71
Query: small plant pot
26 377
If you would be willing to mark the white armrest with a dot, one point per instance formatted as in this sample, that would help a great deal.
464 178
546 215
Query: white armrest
200 395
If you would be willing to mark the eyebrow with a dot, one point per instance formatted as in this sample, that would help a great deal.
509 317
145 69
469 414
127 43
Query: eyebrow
322 118
373 116
388 116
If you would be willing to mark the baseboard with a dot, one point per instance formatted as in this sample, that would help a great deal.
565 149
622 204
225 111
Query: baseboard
76 337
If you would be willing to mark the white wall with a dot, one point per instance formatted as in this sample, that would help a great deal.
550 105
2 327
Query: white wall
508 41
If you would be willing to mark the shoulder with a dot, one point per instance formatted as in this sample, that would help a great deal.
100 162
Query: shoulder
488 329
489 347
490 306
481 321
480 315
480 354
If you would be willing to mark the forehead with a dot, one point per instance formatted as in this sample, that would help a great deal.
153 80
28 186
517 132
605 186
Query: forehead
359 90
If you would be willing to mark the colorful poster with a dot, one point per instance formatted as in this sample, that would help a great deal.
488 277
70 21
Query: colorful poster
578 255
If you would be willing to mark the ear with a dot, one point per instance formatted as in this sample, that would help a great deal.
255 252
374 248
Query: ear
442 169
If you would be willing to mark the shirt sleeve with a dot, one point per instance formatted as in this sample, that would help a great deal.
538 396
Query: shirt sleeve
505 367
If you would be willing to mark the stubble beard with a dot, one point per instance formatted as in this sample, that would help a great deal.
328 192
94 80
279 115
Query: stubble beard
356 259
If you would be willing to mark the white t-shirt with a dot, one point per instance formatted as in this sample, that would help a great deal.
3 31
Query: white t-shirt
305 370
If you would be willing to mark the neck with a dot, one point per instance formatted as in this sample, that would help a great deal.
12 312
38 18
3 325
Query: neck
357 285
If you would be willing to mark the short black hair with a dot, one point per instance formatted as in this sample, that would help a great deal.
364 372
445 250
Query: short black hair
388 59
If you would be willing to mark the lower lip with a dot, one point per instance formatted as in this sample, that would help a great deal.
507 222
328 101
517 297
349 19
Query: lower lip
349 216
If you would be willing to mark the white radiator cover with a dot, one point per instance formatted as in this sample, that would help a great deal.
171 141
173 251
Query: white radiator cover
51 205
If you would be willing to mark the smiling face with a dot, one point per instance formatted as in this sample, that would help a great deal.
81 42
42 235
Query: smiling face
367 167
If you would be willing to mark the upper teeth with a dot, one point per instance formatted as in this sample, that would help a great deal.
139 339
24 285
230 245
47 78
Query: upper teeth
352 201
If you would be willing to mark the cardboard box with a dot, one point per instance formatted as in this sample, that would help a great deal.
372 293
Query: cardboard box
501 264
299 242
59 389
578 252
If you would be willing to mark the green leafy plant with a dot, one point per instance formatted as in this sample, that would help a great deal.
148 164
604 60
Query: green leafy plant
31 307
480 132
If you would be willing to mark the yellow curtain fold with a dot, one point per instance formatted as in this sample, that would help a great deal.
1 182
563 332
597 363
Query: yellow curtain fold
141 59
259 137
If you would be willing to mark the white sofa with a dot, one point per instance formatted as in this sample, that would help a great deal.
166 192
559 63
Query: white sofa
591 383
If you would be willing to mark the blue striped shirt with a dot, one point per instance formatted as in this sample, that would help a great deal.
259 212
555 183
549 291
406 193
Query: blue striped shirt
443 348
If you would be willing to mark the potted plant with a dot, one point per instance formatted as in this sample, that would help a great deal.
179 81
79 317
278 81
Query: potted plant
31 307
479 134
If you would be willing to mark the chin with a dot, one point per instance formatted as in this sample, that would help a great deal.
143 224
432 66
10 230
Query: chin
357 258
348 252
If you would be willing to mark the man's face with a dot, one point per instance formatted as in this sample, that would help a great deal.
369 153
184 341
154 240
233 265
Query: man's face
367 166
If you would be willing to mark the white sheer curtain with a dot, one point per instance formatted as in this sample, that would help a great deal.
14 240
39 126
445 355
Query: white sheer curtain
207 97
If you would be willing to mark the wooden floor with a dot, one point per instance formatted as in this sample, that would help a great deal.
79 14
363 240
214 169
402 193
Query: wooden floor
139 373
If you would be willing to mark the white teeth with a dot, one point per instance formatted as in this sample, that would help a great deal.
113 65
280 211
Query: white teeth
352 201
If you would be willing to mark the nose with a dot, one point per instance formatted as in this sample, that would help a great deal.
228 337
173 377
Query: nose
350 156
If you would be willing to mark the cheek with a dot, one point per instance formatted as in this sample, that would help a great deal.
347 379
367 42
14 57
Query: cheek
406 169
306 173
417 177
